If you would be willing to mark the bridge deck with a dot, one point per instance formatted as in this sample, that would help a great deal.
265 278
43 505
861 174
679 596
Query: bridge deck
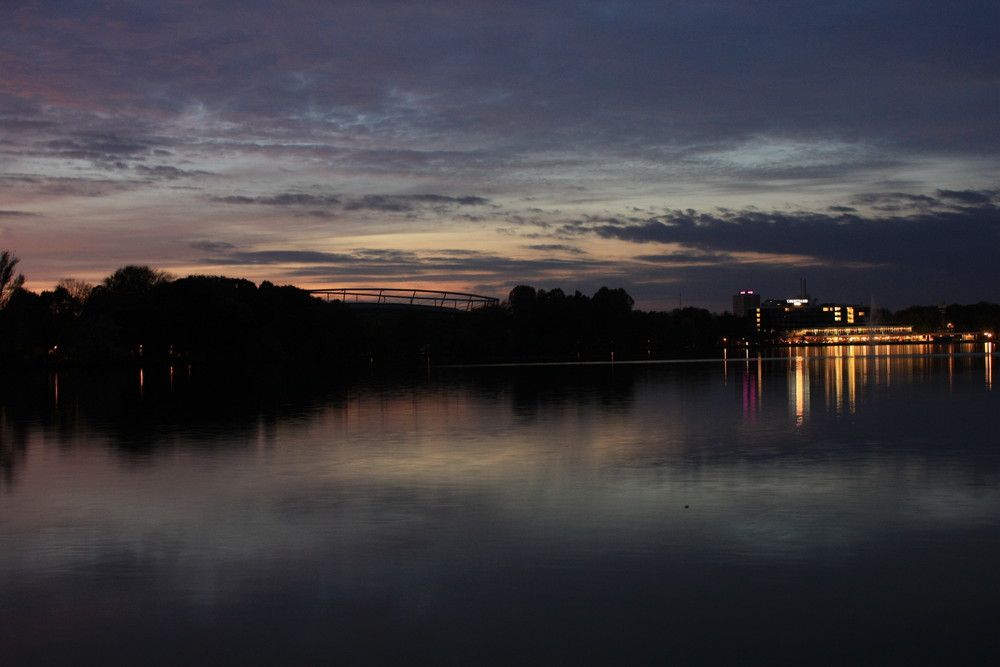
402 297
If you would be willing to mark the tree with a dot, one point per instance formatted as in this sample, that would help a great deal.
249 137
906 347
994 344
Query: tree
69 297
612 302
134 279
78 289
129 304
522 300
9 282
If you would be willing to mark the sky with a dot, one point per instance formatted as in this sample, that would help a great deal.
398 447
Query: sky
682 150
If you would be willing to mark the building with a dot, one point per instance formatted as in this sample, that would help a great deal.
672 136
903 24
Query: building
783 315
745 303
799 320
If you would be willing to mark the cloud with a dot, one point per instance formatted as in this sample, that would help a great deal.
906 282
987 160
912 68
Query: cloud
166 172
557 247
690 258
383 255
279 257
431 266
65 186
451 71
98 148
213 246
284 199
934 238
26 125
403 203
967 197
381 203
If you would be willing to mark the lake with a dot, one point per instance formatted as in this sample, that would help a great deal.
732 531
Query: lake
817 506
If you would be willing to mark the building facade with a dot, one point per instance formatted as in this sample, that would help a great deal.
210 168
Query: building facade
745 303
777 316
800 321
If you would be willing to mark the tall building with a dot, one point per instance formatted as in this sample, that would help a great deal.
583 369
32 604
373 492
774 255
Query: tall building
745 303
788 315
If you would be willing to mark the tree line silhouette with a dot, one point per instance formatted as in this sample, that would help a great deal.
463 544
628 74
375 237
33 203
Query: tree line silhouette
145 316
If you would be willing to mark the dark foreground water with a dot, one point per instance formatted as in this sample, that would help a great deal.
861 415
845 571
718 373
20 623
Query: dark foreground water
840 509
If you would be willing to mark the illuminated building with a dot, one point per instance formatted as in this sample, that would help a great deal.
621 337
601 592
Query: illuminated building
802 321
745 303
777 316
799 320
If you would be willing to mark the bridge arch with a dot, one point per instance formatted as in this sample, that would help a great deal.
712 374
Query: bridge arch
402 297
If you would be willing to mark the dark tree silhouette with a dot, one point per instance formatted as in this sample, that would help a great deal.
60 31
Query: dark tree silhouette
9 281
521 300
141 315
76 294
134 279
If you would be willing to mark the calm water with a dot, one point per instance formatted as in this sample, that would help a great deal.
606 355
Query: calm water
836 508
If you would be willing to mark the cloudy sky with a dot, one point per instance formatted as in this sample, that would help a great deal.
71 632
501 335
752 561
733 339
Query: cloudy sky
681 149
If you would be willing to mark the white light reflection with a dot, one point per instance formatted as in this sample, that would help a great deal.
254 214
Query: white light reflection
798 391
841 380
852 383
989 365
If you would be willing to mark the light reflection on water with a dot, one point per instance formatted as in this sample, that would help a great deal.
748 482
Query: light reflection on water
825 505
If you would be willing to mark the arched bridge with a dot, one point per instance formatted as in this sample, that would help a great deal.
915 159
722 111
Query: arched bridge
398 297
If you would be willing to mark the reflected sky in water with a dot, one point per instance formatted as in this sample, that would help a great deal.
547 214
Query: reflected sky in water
828 506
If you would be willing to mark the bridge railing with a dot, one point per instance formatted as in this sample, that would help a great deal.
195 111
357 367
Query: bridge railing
406 297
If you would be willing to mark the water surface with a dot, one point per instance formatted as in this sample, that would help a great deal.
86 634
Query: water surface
830 507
